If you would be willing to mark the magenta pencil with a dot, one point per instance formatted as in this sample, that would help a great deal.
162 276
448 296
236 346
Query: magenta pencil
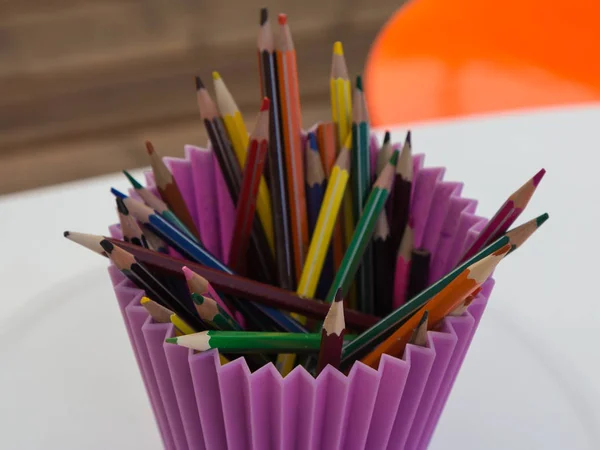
226 210
207 208
402 272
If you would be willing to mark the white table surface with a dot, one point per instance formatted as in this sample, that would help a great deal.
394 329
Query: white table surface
68 379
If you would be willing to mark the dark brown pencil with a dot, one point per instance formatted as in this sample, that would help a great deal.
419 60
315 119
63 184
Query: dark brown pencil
259 245
143 278
332 335
418 279
419 336
276 159
129 227
383 274
169 191
243 287
401 193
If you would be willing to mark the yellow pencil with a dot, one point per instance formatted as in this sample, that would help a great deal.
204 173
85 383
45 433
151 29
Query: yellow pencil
182 328
319 244
238 134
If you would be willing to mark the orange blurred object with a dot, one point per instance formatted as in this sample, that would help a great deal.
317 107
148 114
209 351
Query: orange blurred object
439 59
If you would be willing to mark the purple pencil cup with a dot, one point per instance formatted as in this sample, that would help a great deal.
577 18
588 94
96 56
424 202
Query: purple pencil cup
201 404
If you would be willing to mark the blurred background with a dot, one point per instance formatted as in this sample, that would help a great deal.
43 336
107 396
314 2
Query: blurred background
83 83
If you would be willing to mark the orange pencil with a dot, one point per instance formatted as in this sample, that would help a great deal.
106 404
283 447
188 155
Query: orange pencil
291 117
440 305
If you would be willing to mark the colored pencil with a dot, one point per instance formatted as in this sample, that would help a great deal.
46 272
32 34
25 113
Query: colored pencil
419 334
402 268
200 286
419 271
510 210
402 192
238 135
276 159
332 335
141 276
246 288
385 153
260 250
248 342
291 121
244 214
213 315
326 134
364 231
324 228
159 313
383 263
129 227
360 182
196 252
169 191
440 305
181 325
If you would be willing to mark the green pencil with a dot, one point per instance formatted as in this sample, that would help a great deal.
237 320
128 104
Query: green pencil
365 341
213 315
360 180
159 206
363 231
244 342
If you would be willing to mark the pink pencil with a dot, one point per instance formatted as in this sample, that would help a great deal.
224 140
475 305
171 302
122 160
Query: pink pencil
226 210
505 217
207 208
403 267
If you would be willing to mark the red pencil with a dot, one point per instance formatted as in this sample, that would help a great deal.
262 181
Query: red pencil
246 207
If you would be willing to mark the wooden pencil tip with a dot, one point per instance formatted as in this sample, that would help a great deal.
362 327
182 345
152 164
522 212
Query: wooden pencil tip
66 234
189 274
149 147
409 138
359 84
107 246
216 75
121 206
264 16
282 19
264 106
199 83
135 183
538 177
387 138
338 295
312 140
338 49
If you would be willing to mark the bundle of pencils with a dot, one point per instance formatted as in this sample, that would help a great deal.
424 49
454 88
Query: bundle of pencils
298 215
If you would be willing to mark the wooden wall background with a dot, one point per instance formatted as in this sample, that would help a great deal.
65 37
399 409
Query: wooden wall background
84 82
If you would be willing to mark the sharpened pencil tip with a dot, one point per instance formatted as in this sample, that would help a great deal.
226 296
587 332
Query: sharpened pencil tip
424 318
172 340
66 234
359 84
144 300
264 16
117 193
107 246
338 295
135 183
409 138
312 140
121 206
394 158
199 83
216 76
197 299
338 49
149 147
538 177
541 219
264 106
189 274
387 138
282 19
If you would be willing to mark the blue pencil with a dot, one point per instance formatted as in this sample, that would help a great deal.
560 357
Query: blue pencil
316 184
198 253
